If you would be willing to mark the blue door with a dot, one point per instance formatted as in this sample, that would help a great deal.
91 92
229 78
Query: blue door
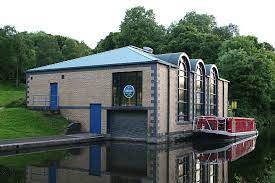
95 160
95 118
54 96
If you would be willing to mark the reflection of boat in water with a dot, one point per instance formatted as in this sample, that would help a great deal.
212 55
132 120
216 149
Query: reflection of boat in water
229 128
227 152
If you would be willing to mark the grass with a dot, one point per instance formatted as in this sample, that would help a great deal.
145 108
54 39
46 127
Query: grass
17 121
10 94
21 122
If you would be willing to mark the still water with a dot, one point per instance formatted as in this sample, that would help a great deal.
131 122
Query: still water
249 160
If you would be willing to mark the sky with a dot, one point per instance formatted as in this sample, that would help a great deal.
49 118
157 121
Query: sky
92 20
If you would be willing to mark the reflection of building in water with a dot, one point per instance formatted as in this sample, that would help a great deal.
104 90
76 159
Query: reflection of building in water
141 163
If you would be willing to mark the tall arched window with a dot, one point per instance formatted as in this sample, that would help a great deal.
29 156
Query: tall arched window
213 93
183 111
199 100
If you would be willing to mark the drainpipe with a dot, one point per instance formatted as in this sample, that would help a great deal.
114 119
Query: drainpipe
168 124
222 98
208 95
27 89
193 90
168 101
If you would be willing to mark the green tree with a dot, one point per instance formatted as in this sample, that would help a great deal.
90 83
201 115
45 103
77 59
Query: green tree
18 54
249 67
112 41
202 22
199 36
7 52
138 28
25 55
47 49
71 48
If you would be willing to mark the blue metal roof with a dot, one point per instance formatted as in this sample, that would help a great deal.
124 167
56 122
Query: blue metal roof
172 58
194 63
209 67
124 55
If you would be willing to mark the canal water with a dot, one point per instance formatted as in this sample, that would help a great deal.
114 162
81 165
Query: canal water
250 160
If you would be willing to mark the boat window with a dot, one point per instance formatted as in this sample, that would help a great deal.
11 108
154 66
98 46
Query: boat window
199 100
183 101
213 93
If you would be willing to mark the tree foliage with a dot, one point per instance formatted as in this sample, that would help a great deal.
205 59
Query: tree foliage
21 51
138 28
199 36
250 68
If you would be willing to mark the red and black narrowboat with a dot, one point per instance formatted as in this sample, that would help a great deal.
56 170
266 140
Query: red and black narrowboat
225 128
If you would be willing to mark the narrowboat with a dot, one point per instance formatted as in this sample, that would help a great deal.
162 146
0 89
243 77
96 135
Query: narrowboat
228 128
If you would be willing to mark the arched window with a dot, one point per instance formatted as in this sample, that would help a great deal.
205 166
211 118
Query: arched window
199 100
183 101
213 93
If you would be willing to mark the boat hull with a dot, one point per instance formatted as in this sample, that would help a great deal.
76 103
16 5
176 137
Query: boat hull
223 136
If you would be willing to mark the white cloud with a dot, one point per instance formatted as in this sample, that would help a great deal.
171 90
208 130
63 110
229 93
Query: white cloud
93 20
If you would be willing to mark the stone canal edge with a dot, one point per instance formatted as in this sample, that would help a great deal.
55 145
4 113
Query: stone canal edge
38 142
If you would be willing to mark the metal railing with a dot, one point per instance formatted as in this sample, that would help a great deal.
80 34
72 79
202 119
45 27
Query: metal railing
43 100
213 123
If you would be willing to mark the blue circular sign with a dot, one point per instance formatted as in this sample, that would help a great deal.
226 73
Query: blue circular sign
129 91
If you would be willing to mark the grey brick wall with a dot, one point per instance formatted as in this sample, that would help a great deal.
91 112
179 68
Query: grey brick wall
175 128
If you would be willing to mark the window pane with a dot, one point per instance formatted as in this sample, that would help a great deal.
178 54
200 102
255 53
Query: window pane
181 95
180 169
181 82
212 99
212 88
183 92
213 92
185 96
198 109
181 68
199 91
198 85
198 98
181 73
212 110
181 105
122 79
185 81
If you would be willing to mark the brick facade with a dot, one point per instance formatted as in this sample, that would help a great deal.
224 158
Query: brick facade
79 88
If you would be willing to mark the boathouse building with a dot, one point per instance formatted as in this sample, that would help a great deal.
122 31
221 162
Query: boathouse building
130 93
